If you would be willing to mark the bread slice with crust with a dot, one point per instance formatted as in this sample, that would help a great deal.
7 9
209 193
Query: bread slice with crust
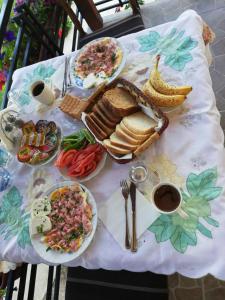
120 101
119 142
96 130
115 149
101 124
139 137
122 135
139 123
113 117
104 119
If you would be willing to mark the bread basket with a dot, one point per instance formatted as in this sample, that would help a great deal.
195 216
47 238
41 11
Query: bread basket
146 106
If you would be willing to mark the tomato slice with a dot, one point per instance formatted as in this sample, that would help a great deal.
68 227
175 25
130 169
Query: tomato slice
59 159
25 153
67 157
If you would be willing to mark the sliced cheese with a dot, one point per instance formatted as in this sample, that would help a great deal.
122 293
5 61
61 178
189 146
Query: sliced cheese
40 207
40 225
90 81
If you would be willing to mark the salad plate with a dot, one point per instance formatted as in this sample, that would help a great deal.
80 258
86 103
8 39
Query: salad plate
72 243
101 60
81 158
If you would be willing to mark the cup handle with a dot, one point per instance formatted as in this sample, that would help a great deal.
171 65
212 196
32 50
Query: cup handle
182 213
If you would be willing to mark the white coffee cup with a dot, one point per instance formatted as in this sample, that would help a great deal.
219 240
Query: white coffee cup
44 95
177 208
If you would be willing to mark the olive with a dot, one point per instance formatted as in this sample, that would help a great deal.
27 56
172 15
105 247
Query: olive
11 119
19 123
8 128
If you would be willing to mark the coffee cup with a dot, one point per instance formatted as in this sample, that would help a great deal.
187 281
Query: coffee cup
167 199
41 92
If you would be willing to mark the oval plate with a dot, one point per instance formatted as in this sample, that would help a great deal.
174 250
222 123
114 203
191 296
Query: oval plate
77 81
55 257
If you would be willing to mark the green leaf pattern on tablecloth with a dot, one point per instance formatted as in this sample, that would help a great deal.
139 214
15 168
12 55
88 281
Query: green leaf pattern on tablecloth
14 221
41 72
182 232
174 46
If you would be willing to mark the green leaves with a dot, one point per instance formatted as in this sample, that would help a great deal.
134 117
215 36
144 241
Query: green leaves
202 185
175 46
182 232
148 42
181 239
163 228
178 60
13 220
13 198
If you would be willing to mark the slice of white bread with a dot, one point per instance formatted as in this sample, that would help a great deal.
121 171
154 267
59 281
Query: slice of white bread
125 137
139 123
120 101
119 142
115 149
139 137
154 137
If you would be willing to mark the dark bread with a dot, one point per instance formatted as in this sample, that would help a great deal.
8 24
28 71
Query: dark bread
100 124
120 101
96 130
104 119
109 114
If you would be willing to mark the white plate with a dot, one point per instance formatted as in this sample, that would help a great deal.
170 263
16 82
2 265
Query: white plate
55 257
90 176
77 81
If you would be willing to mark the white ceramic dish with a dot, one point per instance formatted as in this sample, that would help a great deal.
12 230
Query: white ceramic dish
55 257
77 81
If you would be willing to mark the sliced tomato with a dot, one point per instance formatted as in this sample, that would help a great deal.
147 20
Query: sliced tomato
88 158
25 153
59 159
67 158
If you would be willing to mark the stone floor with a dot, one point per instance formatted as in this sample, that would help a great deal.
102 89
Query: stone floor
206 288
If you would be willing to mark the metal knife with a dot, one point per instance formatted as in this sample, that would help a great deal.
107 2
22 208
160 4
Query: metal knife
133 202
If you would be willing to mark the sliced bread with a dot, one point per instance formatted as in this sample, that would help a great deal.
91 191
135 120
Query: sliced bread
141 137
101 124
115 149
119 142
114 117
139 123
104 119
121 134
95 129
120 101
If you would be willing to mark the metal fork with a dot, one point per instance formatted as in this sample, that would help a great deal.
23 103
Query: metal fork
125 192
65 85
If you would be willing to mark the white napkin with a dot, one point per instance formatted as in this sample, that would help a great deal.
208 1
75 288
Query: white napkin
112 214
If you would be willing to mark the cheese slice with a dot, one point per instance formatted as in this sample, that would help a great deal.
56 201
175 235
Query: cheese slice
40 207
40 225
89 81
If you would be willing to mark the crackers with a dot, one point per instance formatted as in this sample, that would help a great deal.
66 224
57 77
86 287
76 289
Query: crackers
73 106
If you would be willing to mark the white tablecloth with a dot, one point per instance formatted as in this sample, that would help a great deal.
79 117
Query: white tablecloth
189 153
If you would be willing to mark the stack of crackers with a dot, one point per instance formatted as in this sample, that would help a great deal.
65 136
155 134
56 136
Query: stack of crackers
73 106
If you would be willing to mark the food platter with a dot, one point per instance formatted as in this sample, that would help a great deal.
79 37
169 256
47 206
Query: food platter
39 142
79 78
58 257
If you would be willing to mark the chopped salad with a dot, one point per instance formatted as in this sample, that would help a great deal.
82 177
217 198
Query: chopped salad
64 226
